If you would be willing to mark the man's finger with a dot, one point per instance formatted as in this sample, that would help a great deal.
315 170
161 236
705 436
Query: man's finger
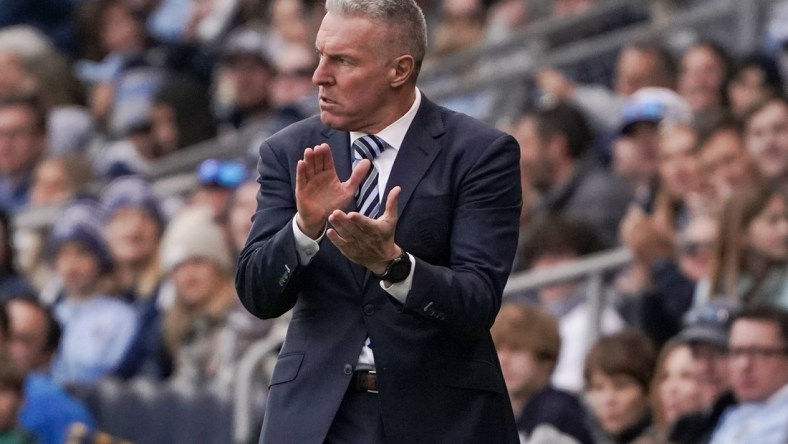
358 174
309 161
392 203
340 222
301 179
327 159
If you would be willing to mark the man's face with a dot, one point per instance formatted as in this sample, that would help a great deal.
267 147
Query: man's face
710 365
725 163
636 69
758 360
522 371
700 78
354 76
27 340
21 142
133 235
78 267
251 81
766 139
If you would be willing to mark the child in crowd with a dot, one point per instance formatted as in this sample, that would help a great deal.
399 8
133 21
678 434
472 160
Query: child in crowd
97 328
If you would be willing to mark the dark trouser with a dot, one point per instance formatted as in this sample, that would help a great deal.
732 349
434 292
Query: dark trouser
358 420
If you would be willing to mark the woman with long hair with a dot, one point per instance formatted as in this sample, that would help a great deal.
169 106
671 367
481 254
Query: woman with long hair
752 249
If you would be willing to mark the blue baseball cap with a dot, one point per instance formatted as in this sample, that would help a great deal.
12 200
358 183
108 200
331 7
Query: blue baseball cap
654 105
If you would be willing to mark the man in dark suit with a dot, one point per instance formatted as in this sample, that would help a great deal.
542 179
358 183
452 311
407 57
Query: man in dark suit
393 291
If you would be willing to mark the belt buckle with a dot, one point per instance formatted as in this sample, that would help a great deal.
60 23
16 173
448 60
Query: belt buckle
373 372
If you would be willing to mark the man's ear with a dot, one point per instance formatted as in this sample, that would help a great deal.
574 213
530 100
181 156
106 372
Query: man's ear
402 70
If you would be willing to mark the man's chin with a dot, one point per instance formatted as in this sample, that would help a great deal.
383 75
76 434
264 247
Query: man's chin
332 121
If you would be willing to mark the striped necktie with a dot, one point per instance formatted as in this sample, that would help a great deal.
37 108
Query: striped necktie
368 196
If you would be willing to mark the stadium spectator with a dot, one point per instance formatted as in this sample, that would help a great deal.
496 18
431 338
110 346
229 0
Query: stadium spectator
33 339
617 373
461 26
243 82
752 249
753 79
637 66
553 240
527 340
132 148
293 93
556 162
97 328
112 32
725 163
22 146
207 330
704 68
636 152
706 333
59 179
133 229
181 114
660 285
217 179
766 139
758 363
12 282
674 389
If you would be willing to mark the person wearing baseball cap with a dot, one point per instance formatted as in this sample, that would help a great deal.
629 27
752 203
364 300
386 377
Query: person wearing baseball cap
706 332
248 73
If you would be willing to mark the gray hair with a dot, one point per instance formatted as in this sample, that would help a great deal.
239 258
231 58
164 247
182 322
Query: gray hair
412 26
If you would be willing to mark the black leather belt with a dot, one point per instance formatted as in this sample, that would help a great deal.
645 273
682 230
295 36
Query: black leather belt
364 381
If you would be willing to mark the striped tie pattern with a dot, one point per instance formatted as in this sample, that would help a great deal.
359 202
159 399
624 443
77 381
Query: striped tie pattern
367 195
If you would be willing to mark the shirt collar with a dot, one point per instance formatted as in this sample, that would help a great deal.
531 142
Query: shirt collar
394 134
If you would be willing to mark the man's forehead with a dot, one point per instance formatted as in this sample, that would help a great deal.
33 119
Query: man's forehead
753 331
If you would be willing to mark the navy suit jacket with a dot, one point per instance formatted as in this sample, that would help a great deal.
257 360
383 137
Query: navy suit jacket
438 372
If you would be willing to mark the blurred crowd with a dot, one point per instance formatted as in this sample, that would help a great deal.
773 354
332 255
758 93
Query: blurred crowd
683 160
680 156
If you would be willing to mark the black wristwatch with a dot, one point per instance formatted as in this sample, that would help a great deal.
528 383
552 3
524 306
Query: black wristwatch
397 270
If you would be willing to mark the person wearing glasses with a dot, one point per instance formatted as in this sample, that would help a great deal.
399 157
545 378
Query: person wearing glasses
706 332
758 368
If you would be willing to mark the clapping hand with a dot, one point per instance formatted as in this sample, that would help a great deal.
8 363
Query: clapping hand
366 241
319 191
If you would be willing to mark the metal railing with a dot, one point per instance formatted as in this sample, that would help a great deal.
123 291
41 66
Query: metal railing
593 269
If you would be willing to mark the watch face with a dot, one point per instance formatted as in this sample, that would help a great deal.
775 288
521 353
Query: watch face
399 271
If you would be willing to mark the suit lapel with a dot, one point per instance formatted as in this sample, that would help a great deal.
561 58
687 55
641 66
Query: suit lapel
419 149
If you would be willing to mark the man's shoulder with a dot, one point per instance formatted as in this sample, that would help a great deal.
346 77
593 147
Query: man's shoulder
471 126
697 427
302 128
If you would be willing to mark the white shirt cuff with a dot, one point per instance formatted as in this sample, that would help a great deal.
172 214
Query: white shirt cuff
400 290
306 247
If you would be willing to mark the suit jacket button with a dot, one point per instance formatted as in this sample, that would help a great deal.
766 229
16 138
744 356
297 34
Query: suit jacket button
369 309
348 369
